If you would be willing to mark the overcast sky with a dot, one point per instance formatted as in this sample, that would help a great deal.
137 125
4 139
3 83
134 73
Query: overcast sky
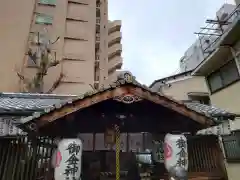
156 33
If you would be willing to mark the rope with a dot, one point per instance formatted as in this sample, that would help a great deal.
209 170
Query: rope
117 152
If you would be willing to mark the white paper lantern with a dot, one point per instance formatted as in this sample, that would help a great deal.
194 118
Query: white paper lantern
67 159
175 151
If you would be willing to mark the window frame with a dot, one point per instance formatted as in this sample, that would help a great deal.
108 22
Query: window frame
41 2
231 145
220 72
42 15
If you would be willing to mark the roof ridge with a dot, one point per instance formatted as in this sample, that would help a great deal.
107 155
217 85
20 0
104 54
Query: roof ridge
35 95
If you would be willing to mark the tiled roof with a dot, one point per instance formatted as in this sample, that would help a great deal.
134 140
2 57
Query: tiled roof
209 111
40 104
15 102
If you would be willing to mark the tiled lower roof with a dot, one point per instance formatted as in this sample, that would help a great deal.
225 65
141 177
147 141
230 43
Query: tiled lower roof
210 111
16 102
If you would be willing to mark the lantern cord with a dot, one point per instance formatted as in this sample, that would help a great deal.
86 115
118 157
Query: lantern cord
117 152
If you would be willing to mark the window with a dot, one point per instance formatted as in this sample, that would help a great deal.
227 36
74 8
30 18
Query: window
48 2
223 77
215 81
44 19
36 38
97 38
96 85
98 21
200 99
231 145
97 28
98 13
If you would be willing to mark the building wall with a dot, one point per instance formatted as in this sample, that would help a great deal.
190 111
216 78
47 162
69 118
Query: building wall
13 15
75 21
179 88
227 98
237 2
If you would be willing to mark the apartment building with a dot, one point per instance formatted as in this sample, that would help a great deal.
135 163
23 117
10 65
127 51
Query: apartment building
237 2
195 54
216 81
81 30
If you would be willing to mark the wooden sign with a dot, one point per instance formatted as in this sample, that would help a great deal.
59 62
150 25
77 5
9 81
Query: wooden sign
110 137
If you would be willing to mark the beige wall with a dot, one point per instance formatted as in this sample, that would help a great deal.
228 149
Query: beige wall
233 171
75 24
228 98
15 21
180 88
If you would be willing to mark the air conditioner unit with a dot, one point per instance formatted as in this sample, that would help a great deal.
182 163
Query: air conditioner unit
223 16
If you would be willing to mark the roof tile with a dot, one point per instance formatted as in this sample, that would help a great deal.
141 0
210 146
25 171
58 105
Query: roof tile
46 103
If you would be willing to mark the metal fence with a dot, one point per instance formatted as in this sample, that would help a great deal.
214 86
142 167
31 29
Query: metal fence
25 158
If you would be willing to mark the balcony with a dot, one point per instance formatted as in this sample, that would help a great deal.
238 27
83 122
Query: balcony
114 50
83 2
215 60
114 26
114 38
116 61
219 50
115 68
97 37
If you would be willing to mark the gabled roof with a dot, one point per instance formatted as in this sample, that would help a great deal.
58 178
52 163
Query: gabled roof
118 88
175 76
50 107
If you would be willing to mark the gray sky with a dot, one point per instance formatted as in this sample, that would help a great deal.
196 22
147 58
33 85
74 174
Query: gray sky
156 33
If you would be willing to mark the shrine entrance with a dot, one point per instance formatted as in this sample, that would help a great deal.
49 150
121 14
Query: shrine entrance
118 122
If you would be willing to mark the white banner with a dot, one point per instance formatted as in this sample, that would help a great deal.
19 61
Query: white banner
221 129
99 142
136 142
87 140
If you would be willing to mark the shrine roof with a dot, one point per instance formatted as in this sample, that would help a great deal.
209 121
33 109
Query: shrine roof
42 106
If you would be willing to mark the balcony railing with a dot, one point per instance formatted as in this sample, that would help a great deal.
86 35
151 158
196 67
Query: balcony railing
211 34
